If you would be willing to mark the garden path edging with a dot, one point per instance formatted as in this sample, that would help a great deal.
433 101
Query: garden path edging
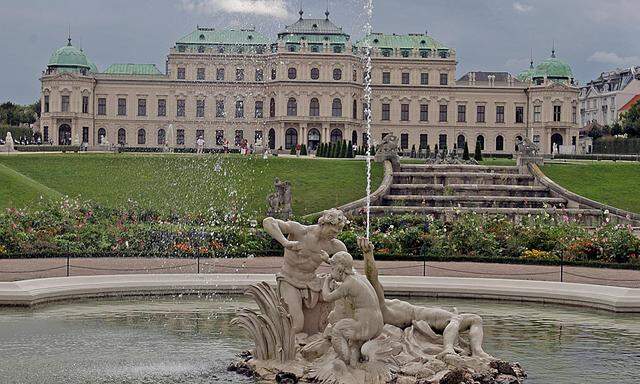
32 292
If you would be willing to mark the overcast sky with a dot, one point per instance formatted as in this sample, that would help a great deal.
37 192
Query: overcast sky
497 35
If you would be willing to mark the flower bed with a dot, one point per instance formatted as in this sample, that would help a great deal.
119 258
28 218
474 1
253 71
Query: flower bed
82 228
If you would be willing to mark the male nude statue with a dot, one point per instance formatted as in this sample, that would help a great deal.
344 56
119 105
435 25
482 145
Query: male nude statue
305 249
365 323
402 314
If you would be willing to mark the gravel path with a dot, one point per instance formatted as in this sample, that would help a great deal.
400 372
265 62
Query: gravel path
12 270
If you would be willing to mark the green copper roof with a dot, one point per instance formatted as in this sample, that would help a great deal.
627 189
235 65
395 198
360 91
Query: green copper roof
553 68
312 26
315 39
410 41
207 36
93 67
527 75
69 57
133 69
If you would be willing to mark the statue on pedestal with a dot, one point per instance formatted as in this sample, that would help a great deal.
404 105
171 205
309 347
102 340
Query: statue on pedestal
280 202
9 145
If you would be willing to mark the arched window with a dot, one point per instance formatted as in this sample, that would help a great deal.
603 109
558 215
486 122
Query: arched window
122 136
336 135
480 142
518 140
272 108
314 107
460 142
142 136
292 73
313 139
290 138
64 135
162 137
354 114
499 143
354 138
336 108
272 139
292 107
315 73
337 74
102 135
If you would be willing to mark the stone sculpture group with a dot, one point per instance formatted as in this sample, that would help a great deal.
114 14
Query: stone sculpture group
279 202
339 328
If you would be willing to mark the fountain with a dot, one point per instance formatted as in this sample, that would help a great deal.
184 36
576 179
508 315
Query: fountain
341 329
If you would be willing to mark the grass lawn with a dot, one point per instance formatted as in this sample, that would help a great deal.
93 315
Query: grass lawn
615 184
185 183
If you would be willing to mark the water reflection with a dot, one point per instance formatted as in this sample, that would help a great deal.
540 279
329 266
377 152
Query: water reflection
189 340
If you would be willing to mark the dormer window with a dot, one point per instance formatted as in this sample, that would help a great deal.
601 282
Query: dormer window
182 48
202 37
314 26
201 49
423 42
376 41
250 37
220 49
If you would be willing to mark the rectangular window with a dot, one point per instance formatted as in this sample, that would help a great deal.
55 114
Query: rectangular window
239 137
180 109
122 107
219 108
162 107
142 107
519 115
200 108
423 140
424 78
182 73
46 104
219 137
239 109
405 78
404 141
180 136
386 77
64 104
220 74
537 113
239 74
257 136
259 110
386 112
442 141
574 115
557 113
259 75
45 134
500 114
424 112
404 112
462 113
200 74
274 73
444 79
85 104
443 113
480 114
102 106
85 134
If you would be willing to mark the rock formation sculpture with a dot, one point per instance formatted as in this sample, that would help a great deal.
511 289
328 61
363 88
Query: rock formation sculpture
340 328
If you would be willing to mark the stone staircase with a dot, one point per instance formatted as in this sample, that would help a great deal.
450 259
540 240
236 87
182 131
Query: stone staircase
443 190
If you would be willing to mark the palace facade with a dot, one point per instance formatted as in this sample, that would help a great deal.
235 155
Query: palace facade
306 87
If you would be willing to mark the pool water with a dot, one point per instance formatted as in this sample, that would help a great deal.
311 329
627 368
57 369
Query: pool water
189 340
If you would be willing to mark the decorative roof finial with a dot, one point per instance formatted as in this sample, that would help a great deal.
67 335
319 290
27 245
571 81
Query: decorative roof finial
531 56
327 12
69 38
553 50
301 11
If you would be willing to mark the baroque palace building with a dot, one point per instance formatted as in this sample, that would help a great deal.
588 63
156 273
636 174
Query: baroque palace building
305 88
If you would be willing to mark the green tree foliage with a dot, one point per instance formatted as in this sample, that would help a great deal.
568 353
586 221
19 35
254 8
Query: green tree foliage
478 152
14 114
303 150
630 122
465 154
350 153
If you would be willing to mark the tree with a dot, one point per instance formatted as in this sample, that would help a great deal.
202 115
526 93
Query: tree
413 151
630 122
465 153
428 151
343 150
350 153
320 152
293 150
303 150
332 150
616 129
478 152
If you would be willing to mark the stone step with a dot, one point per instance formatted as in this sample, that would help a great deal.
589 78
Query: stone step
458 168
447 178
475 201
590 217
470 190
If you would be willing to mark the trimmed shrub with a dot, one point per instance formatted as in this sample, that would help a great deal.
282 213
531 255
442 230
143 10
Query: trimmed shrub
465 154
478 153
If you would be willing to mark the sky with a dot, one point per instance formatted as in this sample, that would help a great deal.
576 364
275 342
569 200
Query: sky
491 35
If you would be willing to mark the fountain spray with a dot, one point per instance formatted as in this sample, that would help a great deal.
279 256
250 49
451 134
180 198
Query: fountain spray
367 100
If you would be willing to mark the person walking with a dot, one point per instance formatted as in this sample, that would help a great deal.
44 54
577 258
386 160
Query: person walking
225 146
200 145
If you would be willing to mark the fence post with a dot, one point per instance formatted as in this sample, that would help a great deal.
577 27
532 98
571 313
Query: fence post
68 265
561 268
198 263
424 260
